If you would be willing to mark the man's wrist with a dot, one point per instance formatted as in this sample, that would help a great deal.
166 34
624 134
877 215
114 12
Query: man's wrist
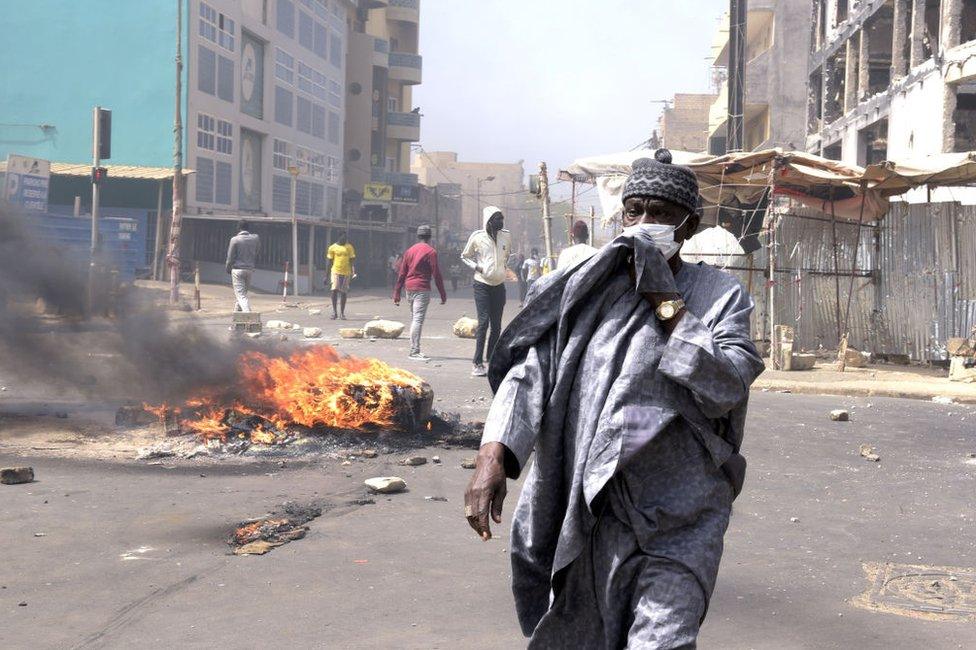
658 299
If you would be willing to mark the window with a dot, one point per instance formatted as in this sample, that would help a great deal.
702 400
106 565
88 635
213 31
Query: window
284 66
205 180
332 169
207 71
317 200
225 79
335 50
335 94
335 126
318 121
216 27
303 119
332 202
222 183
392 105
320 45
311 81
310 163
281 194
306 30
282 155
285 18
205 131
321 9
225 137
283 106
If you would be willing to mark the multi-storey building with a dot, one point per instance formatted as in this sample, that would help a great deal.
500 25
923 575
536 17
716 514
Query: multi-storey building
684 123
264 87
481 184
775 87
381 195
891 79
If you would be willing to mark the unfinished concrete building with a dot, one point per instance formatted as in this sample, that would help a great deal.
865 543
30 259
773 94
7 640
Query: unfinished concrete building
892 79
684 124
775 86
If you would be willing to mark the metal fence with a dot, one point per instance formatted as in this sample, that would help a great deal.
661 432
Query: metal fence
903 286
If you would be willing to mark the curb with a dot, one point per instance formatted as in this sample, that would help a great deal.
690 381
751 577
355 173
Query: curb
854 391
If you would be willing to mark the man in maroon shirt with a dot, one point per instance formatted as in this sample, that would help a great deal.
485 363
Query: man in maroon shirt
418 267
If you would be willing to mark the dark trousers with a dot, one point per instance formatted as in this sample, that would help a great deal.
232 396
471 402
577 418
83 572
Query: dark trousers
490 302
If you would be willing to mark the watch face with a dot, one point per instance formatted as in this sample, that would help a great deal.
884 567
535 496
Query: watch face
667 311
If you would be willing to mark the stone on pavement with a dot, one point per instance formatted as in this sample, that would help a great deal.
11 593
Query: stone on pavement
312 332
314 312
840 415
414 461
803 362
466 328
856 358
386 484
384 329
370 453
351 333
867 451
16 475
259 547
468 463
278 325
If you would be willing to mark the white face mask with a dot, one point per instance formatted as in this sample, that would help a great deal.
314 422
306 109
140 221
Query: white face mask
662 236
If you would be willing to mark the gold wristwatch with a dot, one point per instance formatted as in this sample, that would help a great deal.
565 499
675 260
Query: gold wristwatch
669 309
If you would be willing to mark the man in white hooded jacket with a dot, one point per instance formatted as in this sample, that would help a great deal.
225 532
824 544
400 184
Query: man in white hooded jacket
486 253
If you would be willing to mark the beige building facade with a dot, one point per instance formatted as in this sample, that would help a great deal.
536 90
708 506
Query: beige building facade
482 184
684 124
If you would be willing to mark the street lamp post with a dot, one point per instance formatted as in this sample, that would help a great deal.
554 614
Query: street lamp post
293 170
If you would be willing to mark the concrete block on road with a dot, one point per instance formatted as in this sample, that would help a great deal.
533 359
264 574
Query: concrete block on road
16 475
386 484
384 329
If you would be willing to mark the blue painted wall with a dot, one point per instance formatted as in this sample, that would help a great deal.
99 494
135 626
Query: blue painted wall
63 57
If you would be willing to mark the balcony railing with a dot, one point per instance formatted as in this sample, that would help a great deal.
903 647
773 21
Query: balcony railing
381 46
406 4
403 119
404 10
404 60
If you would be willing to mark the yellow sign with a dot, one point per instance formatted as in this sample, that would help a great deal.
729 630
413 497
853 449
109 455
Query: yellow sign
378 193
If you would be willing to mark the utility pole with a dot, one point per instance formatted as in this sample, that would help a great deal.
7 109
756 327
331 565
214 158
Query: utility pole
546 217
572 218
293 170
737 74
96 162
176 223
592 226
437 214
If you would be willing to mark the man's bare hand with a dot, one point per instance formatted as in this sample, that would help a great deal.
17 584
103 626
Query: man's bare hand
486 490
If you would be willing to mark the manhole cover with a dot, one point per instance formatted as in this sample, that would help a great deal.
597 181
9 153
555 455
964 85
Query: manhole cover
937 593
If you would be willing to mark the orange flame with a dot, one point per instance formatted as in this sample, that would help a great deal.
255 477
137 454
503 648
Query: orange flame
314 387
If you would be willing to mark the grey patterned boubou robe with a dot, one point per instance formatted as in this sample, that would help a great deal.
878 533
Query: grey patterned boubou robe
618 531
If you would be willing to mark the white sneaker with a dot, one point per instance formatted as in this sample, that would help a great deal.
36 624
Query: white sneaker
479 370
419 356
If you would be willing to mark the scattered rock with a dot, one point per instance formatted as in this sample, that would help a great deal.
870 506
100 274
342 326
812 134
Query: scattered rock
469 463
296 327
253 335
436 460
351 333
803 362
840 415
277 325
441 499
867 452
40 534
155 451
414 461
370 453
346 463
466 328
314 312
794 520
383 329
856 358
16 475
312 332
386 484
942 399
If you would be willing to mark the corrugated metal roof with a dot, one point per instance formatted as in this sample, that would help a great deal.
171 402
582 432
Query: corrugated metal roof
114 171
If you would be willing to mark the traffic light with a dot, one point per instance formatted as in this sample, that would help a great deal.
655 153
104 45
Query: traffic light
99 174
103 131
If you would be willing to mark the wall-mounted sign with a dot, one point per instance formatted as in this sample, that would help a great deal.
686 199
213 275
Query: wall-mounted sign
377 193
407 194
252 76
27 182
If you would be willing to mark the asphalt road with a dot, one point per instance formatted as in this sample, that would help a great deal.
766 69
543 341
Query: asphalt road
117 554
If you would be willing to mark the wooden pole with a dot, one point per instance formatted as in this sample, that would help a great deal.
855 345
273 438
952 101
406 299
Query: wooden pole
158 243
592 226
176 225
833 231
311 259
546 217
196 284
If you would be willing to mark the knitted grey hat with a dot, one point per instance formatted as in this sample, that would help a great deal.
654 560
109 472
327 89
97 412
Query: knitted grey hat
659 179
424 231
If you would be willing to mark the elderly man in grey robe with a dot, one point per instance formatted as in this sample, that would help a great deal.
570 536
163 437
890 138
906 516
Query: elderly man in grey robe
628 375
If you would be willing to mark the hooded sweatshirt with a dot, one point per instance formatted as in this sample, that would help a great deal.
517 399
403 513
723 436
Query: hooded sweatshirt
485 256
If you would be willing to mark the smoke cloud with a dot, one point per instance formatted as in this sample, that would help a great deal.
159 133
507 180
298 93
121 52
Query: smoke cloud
140 353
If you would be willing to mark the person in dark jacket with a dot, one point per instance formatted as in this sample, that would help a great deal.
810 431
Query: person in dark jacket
242 255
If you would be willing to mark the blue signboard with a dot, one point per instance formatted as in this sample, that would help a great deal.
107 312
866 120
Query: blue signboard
27 181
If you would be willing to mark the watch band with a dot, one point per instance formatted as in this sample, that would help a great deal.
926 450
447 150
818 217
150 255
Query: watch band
669 309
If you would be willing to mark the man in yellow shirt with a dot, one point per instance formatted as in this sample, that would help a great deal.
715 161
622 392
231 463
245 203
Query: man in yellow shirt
341 256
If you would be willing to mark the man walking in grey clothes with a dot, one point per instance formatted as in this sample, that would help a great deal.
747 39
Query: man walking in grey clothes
242 253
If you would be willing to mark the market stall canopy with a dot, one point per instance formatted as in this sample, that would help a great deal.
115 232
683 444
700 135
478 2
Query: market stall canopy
893 178
740 179
715 246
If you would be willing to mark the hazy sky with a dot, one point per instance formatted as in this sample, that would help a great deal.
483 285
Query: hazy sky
554 80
